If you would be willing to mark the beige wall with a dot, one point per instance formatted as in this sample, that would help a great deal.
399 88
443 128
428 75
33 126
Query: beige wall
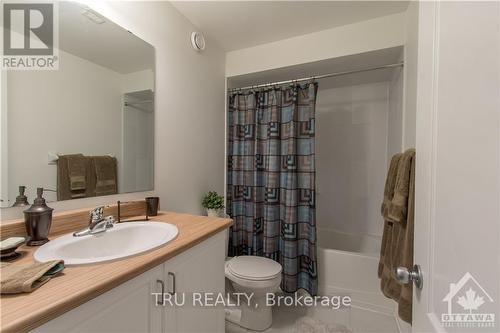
410 74
189 97
77 109
380 33
189 119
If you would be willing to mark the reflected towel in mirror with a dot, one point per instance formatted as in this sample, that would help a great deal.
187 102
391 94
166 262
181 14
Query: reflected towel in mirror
106 175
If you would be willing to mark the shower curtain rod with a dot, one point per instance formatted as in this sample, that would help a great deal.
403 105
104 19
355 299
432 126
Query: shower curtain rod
317 77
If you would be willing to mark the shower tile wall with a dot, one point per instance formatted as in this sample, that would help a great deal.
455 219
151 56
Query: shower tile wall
351 154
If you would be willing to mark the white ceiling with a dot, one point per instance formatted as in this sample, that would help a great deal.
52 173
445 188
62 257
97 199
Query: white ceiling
240 24
106 44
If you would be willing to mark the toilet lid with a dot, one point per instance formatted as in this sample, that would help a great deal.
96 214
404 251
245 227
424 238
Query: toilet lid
254 268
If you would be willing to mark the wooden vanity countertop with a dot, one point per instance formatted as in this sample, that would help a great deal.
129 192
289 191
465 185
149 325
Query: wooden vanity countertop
79 284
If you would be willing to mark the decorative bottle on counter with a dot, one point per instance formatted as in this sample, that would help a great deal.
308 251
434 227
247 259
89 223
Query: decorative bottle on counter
21 199
38 219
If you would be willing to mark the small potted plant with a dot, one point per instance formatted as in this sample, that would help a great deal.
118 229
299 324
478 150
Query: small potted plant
213 203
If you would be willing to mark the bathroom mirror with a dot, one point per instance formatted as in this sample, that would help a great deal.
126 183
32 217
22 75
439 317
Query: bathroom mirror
87 128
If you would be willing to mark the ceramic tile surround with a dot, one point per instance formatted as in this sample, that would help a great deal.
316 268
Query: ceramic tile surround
353 126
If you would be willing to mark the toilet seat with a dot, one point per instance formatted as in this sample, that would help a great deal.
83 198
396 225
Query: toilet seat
253 268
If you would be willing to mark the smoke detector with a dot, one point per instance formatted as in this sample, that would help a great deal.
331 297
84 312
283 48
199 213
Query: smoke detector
198 41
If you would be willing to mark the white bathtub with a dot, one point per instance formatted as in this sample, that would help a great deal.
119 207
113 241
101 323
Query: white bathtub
347 265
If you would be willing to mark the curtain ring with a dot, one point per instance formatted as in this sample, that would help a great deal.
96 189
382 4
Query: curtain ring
312 81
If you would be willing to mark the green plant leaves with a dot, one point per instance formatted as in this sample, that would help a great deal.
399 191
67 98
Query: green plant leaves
212 200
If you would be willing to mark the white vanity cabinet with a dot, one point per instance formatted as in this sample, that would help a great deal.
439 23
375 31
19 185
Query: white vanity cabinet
201 271
131 307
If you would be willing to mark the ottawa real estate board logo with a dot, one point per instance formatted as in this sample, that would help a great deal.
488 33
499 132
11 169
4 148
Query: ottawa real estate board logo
468 303
29 36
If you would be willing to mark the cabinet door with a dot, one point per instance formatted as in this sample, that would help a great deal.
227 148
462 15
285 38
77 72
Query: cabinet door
199 270
129 307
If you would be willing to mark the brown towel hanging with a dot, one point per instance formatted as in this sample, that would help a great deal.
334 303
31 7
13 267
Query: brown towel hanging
106 180
390 182
397 240
405 248
73 177
77 172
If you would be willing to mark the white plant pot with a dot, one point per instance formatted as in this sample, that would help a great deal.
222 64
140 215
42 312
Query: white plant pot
214 212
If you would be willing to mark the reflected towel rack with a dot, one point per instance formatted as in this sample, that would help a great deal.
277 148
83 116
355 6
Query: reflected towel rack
136 105
53 157
138 102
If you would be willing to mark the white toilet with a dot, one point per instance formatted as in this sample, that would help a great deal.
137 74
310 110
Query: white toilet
257 275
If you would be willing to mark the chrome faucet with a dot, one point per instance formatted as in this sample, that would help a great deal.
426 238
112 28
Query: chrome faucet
97 223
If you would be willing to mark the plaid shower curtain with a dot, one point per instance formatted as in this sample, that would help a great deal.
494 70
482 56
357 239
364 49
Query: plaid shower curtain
271 180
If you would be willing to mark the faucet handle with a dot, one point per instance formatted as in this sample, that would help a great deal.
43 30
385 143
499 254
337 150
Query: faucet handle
102 225
109 221
96 214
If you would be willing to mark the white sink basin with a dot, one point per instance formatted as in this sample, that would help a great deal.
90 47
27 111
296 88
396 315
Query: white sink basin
123 240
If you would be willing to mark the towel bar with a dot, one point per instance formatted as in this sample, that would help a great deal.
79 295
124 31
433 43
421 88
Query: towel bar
52 157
